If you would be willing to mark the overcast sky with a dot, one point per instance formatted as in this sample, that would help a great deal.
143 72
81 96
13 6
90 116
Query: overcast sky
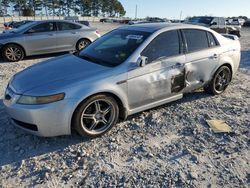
172 8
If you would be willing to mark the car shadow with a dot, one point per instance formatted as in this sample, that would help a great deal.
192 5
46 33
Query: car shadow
35 57
17 145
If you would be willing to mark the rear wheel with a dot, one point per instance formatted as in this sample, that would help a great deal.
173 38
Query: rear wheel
82 43
220 81
13 53
96 116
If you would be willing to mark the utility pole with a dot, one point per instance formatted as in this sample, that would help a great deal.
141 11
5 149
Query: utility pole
136 12
180 16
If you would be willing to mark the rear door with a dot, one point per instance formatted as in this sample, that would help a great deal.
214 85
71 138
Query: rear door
163 75
202 57
68 34
41 39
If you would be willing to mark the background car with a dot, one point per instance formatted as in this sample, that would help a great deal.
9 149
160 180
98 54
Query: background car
217 24
43 37
14 25
128 70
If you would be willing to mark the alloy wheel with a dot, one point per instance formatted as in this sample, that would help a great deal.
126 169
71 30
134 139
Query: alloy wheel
13 53
222 80
97 117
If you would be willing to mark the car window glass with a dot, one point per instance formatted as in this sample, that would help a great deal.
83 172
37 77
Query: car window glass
115 47
62 26
215 20
196 39
164 45
211 40
44 27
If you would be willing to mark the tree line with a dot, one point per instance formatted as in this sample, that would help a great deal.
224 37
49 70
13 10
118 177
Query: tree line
105 8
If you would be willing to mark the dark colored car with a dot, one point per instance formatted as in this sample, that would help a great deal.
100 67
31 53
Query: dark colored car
247 23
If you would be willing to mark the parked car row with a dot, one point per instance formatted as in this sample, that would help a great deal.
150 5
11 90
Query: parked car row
217 24
128 70
44 37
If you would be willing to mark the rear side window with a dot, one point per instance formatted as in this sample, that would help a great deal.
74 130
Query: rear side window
164 45
211 40
44 27
196 39
63 26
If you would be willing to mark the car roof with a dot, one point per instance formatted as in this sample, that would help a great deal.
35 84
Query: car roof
153 27
41 21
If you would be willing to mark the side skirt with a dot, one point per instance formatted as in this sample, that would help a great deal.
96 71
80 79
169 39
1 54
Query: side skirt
155 104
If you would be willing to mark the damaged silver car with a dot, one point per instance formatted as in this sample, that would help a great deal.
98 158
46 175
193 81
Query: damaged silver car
129 70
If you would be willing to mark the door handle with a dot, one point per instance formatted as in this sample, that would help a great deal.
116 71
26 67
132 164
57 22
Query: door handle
215 56
73 32
51 34
179 65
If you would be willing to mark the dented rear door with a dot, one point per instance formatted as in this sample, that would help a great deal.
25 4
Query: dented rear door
202 57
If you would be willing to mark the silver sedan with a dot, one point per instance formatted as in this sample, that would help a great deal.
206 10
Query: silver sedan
44 37
128 70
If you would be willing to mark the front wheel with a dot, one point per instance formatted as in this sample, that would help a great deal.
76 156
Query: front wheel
96 116
220 81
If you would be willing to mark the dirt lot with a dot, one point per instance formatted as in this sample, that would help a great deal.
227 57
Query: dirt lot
170 146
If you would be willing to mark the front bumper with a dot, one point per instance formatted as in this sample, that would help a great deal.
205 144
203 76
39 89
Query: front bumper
52 119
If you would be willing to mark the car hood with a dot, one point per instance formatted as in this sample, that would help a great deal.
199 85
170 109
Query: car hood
67 67
8 34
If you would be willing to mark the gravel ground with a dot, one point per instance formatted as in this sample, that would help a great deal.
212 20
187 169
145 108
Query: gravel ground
169 146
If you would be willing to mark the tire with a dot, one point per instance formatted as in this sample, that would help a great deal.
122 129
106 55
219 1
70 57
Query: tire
81 44
13 53
220 81
96 116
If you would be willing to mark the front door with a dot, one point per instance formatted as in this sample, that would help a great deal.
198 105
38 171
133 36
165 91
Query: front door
163 75
41 39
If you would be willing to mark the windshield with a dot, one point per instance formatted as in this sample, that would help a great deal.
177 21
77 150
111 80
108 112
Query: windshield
114 48
203 20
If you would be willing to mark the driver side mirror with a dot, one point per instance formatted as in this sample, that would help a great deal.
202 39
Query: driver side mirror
142 61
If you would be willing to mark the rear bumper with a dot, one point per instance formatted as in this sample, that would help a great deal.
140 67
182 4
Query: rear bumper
43 120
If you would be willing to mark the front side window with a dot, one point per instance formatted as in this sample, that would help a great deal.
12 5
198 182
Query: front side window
163 46
63 26
196 39
115 47
43 27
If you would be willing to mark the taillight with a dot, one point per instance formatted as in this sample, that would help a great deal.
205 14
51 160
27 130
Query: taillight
97 32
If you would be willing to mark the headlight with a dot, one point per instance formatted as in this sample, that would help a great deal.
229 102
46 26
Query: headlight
40 100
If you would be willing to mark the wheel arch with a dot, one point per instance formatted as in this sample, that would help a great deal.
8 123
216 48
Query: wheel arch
9 43
229 66
122 109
